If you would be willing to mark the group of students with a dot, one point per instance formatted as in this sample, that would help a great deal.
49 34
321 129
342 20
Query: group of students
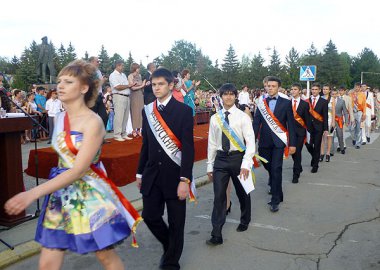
84 212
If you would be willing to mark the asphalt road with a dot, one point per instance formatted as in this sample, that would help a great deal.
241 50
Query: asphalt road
329 221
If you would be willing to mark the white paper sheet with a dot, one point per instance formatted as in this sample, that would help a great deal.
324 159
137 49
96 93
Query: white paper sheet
247 183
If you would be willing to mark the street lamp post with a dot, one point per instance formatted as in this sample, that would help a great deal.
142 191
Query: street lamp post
363 72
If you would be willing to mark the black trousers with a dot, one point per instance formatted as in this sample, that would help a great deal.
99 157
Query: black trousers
297 156
314 147
275 157
171 237
226 167
100 109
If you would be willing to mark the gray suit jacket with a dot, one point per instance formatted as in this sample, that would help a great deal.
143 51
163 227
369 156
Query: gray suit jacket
341 110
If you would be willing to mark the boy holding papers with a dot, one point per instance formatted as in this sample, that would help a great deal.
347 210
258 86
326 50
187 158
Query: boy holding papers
231 147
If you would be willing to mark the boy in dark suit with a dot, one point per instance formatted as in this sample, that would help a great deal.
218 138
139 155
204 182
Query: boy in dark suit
165 169
302 120
319 124
274 127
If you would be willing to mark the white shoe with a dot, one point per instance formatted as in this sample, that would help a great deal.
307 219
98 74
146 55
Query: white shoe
119 139
126 138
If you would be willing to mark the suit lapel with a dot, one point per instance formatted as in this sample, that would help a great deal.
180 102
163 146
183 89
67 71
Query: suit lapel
278 104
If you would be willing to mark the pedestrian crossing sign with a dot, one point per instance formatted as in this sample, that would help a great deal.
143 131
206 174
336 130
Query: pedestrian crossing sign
308 73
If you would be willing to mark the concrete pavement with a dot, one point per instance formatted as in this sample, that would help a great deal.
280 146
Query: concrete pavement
330 220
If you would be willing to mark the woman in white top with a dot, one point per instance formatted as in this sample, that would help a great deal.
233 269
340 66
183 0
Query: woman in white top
53 106
327 140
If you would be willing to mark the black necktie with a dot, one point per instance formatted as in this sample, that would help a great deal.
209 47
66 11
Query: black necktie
225 140
161 107
271 98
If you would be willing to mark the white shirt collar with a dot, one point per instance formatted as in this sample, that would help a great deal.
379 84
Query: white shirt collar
230 110
165 102
298 99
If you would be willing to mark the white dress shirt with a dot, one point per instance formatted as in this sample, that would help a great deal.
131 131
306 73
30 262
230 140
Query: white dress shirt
53 106
312 100
244 98
298 102
117 78
241 124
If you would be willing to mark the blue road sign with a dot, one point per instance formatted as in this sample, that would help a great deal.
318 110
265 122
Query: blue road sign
308 73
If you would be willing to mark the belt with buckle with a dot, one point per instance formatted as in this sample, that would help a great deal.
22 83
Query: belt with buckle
125 95
229 153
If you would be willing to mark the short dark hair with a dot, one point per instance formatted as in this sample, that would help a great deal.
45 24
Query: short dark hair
342 87
274 79
227 88
316 85
327 85
118 62
297 85
358 84
40 88
164 73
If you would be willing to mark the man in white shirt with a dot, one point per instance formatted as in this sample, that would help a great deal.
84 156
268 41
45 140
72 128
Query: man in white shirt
53 106
244 96
370 113
121 102
225 161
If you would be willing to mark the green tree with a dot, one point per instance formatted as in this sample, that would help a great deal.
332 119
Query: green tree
70 54
14 65
26 74
259 71
366 61
230 67
292 63
275 64
332 69
128 63
105 65
86 56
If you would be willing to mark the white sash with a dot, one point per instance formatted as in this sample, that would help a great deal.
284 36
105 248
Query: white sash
162 136
271 123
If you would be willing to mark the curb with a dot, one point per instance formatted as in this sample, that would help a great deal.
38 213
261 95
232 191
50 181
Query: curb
31 248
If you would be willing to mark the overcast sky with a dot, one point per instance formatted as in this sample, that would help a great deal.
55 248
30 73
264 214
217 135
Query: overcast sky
150 27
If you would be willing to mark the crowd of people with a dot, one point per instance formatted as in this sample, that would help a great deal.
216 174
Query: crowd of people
84 212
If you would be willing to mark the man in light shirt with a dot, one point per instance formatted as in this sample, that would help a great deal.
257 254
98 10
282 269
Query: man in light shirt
244 96
225 161
120 91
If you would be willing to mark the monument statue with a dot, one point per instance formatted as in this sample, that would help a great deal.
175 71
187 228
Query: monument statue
45 60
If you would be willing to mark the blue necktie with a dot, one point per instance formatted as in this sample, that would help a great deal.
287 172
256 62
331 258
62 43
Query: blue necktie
225 140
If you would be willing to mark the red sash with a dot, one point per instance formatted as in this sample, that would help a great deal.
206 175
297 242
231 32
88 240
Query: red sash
132 211
339 120
314 113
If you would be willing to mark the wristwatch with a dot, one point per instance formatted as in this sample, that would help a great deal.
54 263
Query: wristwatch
185 180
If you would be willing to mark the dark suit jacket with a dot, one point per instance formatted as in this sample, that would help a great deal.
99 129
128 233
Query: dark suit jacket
303 112
148 91
322 108
284 113
155 165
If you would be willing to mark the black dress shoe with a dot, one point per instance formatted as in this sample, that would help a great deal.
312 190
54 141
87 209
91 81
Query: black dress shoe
343 152
214 241
327 158
242 228
314 170
364 143
274 208
321 158
332 154
295 179
353 143
357 147
368 139
229 209
338 149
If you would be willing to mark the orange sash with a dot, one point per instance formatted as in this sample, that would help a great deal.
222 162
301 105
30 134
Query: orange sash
369 106
339 120
314 113
299 119
286 150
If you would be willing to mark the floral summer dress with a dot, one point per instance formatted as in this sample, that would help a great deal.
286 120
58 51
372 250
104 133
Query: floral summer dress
90 214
